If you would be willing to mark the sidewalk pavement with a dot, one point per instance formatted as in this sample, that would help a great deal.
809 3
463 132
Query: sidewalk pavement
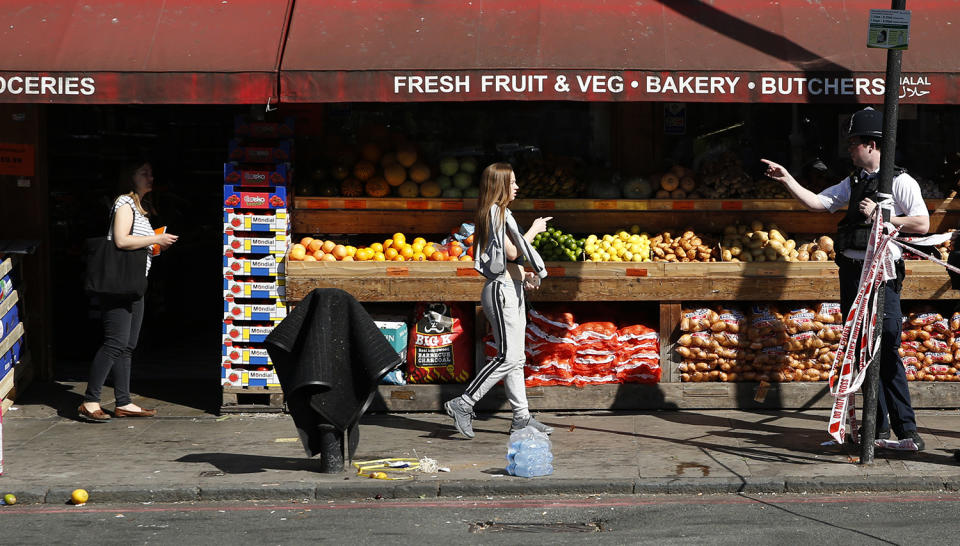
189 454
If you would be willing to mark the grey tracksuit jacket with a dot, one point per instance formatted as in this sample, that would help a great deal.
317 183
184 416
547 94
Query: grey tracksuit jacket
492 261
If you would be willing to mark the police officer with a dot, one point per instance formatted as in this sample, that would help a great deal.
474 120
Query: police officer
858 193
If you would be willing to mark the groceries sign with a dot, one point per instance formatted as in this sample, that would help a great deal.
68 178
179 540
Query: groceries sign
658 86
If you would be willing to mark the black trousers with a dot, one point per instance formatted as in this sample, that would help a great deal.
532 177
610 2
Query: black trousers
893 398
121 330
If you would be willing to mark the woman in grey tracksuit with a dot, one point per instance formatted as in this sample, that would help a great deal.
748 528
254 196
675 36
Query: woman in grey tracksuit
503 251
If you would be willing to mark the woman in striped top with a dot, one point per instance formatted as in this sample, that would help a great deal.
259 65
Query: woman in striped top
130 230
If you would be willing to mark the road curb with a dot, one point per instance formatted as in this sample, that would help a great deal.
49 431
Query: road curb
882 483
535 486
275 491
505 486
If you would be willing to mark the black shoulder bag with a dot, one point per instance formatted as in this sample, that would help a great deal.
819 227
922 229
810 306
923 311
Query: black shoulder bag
114 272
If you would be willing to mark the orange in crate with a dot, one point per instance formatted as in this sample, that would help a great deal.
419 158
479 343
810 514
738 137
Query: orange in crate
297 252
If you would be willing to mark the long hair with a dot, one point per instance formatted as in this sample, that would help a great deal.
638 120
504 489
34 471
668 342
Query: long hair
126 186
494 190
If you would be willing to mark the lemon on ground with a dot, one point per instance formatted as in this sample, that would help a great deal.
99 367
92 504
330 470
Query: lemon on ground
10 499
79 496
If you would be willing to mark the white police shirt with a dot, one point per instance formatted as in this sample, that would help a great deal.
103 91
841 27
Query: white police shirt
907 201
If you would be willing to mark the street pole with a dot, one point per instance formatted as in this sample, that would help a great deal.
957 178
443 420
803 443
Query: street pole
888 147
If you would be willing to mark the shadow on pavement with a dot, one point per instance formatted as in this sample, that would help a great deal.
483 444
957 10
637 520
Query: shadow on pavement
233 463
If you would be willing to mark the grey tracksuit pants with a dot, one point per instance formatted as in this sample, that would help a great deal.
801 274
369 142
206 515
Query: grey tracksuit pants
502 301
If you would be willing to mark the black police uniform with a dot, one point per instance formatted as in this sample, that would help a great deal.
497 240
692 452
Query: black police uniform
853 230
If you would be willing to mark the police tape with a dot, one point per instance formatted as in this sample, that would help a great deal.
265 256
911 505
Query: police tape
845 376
846 373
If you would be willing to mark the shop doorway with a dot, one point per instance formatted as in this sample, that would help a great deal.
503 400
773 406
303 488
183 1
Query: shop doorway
178 355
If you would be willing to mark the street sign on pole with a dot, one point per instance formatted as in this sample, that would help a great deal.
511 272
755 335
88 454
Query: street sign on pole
889 29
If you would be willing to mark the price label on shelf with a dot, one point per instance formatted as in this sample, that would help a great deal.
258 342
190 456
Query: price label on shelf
354 204
544 205
731 205
683 205
451 205
607 204
417 205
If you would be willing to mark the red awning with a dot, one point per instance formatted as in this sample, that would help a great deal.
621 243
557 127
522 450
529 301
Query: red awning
145 51
638 50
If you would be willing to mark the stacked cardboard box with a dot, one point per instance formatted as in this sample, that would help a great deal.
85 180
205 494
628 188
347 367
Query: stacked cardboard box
256 232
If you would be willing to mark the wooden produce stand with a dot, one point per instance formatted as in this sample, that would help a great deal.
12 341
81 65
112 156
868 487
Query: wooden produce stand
667 284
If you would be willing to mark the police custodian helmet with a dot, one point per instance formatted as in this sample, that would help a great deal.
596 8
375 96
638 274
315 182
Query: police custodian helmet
867 122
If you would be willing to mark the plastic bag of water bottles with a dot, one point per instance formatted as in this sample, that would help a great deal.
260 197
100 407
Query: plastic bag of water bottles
528 454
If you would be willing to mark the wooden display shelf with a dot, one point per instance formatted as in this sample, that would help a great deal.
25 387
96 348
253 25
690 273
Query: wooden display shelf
548 204
428 216
588 281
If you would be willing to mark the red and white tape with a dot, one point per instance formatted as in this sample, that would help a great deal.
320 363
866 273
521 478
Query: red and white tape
846 377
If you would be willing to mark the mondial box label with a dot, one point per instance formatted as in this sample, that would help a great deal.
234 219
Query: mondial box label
253 289
245 355
275 311
245 334
256 222
272 244
260 378
267 266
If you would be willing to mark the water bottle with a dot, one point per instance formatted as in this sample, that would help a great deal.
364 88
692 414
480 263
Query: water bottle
528 454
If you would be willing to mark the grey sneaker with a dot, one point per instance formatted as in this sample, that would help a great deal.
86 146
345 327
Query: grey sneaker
462 415
520 423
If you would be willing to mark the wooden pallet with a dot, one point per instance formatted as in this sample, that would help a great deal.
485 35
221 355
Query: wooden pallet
6 387
252 400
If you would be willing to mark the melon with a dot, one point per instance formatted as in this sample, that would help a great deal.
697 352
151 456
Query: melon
351 187
449 166
468 165
408 189
462 181
637 188
472 192
395 174
452 193
419 172
364 170
377 187
430 189
444 181
407 155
